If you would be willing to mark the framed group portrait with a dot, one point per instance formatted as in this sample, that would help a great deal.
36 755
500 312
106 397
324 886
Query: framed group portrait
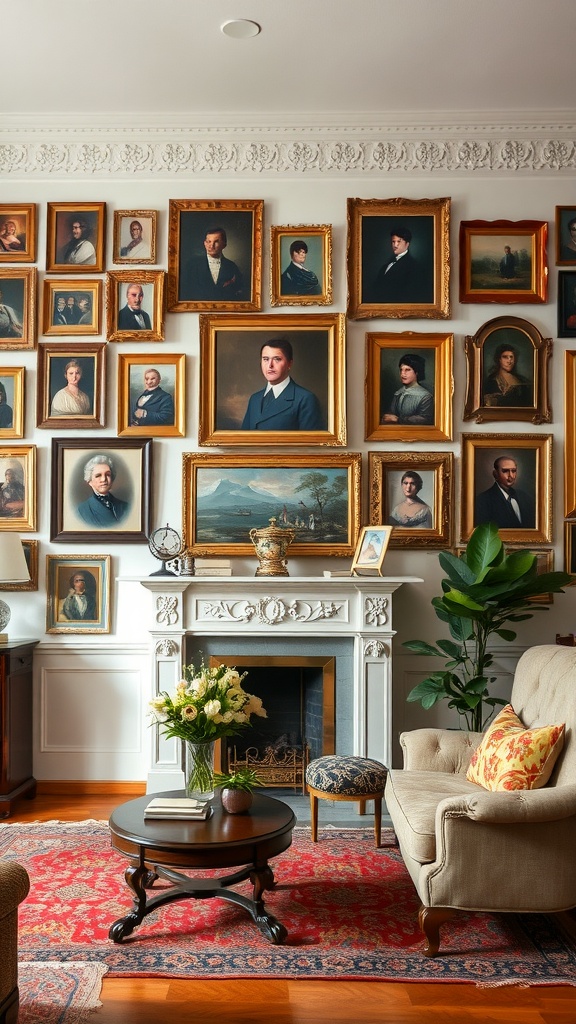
370 550
78 589
503 261
272 379
18 487
507 480
409 387
11 402
301 258
101 489
215 255
71 307
75 238
134 236
315 497
412 493
398 258
151 394
507 372
70 390
17 232
566 236
566 305
18 308
30 549
135 305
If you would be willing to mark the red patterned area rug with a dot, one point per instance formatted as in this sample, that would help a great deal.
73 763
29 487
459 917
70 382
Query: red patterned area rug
59 993
350 911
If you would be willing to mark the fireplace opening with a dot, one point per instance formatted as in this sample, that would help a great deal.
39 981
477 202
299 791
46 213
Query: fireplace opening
298 694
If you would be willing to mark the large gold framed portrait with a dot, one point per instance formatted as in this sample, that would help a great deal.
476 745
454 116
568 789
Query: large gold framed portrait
412 493
507 372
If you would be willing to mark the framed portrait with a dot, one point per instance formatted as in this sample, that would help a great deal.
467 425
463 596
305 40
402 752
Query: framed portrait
412 493
398 257
134 236
544 563
30 549
503 261
71 307
273 379
507 372
570 435
151 394
70 387
370 550
316 497
17 232
18 308
11 402
507 480
566 236
566 305
570 548
78 589
409 387
101 488
301 258
75 238
18 487
215 255
135 305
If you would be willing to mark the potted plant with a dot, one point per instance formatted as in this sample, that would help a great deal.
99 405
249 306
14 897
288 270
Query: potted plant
484 589
237 789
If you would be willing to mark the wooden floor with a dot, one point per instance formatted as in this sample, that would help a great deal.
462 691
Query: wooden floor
165 1001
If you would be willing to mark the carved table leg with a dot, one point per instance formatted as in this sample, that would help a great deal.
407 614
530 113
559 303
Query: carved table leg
430 919
137 878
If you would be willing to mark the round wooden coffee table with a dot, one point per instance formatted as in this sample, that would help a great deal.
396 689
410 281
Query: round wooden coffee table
157 848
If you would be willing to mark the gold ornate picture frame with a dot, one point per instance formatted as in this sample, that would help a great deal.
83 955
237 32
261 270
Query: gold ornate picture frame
565 219
301 265
134 236
413 494
135 305
11 402
160 412
17 232
30 549
18 312
78 589
569 435
75 238
371 550
71 307
18 487
503 261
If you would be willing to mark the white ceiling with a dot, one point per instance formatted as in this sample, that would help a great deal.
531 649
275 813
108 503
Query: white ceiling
387 58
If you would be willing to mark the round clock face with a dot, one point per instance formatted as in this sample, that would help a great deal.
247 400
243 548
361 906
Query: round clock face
165 542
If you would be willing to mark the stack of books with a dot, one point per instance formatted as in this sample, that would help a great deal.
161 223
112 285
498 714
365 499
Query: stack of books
181 808
212 567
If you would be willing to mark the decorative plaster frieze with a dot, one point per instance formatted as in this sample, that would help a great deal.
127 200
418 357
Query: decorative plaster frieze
270 611
376 611
167 609
167 648
376 649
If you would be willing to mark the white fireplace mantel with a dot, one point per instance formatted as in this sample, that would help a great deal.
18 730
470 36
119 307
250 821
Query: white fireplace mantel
356 607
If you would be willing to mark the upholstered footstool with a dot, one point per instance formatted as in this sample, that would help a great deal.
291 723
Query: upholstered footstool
336 777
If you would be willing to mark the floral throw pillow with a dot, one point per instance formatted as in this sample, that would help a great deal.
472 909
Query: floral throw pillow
513 757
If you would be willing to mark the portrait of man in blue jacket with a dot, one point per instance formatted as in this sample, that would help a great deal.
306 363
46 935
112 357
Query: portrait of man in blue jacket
102 509
281 404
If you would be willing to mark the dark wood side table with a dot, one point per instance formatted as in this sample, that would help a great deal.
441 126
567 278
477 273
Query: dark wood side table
157 848
16 777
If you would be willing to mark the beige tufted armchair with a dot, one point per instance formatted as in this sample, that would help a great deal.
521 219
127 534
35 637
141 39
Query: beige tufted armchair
14 886
470 849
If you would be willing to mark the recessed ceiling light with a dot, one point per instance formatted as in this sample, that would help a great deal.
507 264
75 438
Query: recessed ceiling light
240 29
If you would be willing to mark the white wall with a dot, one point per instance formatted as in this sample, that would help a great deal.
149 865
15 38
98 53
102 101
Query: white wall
68 734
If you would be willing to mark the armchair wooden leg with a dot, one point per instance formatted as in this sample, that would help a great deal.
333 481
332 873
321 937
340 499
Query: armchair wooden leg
430 919
314 816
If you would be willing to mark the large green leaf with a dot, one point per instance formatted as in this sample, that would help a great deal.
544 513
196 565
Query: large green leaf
456 569
421 647
484 548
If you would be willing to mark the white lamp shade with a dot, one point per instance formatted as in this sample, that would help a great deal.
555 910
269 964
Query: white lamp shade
13 567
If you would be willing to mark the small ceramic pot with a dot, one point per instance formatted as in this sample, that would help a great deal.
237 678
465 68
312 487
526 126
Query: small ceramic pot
236 801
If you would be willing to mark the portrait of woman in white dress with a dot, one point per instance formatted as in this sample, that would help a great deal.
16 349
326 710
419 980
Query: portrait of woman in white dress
411 511
70 400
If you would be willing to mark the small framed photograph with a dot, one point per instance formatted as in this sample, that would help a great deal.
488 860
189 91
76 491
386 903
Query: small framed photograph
503 261
507 372
72 307
544 563
272 379
301 265
566 305
566 236
17 232
18 487
412 493
151 394
11 402
317 497
398 258
507 480
75 238
78 588
30 549
409 387
570 435
71 385
370 551
18 308
570 548
134 236
215 255
101 488
135 305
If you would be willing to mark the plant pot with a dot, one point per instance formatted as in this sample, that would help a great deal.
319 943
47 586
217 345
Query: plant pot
236 801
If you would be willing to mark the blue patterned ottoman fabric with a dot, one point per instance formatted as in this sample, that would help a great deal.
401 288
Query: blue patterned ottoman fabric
349 776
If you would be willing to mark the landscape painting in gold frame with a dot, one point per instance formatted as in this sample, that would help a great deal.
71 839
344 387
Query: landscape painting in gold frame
317 497
11 402
413 494
135 305
409 387
160 412
495 465
503 261
17 232
301 258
